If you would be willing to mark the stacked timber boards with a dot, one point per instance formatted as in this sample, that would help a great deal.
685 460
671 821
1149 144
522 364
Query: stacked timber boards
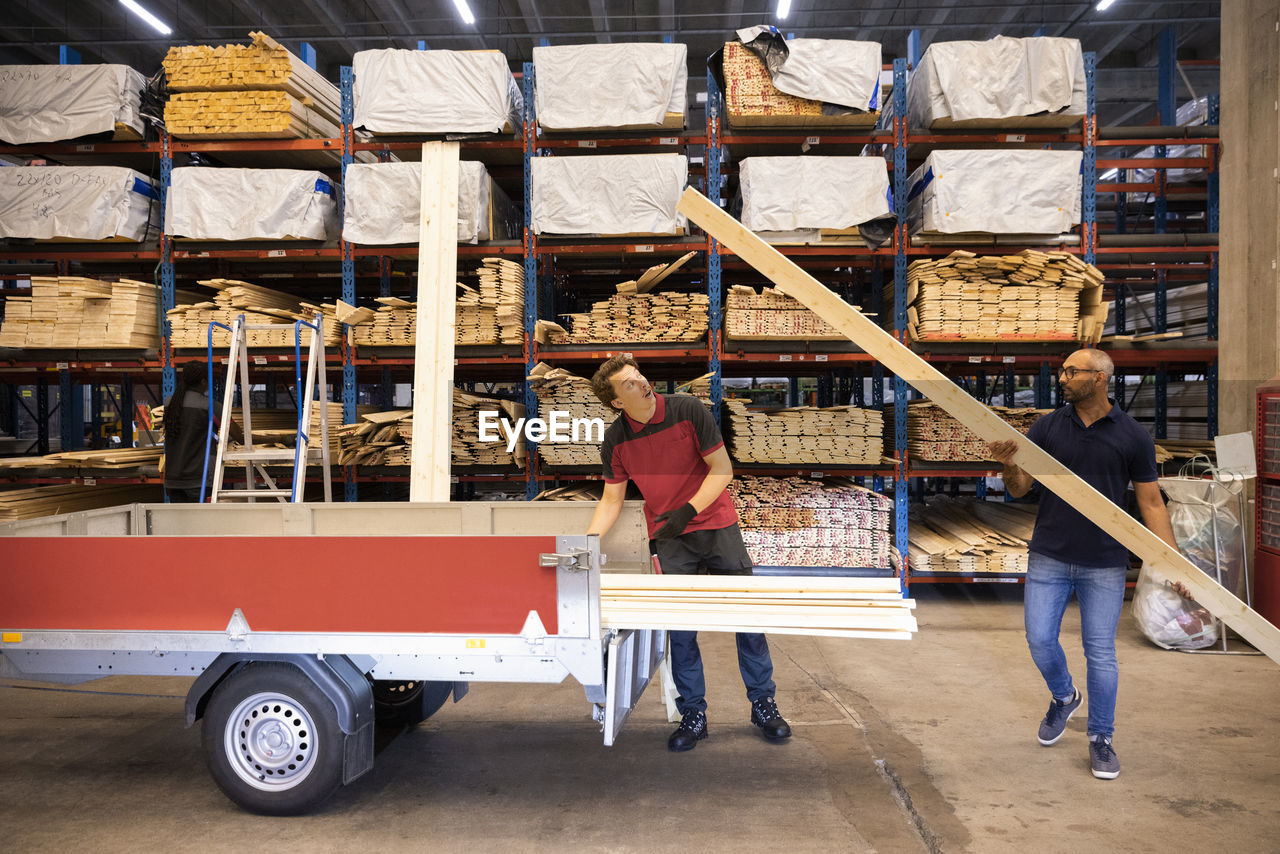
772 316
559 390
69 312
934 436
832 607
258 305
386 438
70 498
835 435
969 535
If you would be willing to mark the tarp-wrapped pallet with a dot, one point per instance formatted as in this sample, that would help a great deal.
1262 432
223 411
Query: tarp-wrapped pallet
559 390
813 199
51 103
207 203
1004 82
609 194
1019 192
78 203
799 522
383 204
833 435
435 91
823 83
1031 296
625 86
934 436
772 316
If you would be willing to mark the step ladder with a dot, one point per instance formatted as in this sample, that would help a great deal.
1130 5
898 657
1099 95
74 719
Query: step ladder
258 482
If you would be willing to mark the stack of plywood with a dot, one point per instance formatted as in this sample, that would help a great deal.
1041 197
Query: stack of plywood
751 99
969 535
69 312
831 607
254 91
836 435
559 390
634 318
1031 296
190 323
773 316
801 522
934 436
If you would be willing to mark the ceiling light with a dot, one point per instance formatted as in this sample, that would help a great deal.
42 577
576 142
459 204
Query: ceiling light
1104 4
159 25
784 8
464 11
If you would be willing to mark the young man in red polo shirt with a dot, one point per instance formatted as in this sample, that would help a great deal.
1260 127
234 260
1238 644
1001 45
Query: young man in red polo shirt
670 447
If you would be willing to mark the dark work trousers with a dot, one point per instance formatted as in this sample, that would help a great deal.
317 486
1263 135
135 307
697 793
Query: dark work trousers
722 552
183 496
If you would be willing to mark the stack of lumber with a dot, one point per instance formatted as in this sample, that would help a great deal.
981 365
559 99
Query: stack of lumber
386 438
559 390
280 426
190 323
393 324
830 607
796 521
935 436
254 91
110 458
70 498
590 491
773 316
66 312
969 535
1185 449
633 318
1031 296
836 435
495 313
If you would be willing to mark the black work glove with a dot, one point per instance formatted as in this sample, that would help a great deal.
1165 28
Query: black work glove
676 520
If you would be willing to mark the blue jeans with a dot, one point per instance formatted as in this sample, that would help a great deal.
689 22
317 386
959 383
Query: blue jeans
1100 592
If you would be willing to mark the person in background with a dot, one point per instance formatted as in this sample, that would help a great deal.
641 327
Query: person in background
1107 449
671 447
186 419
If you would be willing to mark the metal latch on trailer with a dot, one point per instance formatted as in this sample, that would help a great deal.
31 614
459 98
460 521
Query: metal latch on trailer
574 559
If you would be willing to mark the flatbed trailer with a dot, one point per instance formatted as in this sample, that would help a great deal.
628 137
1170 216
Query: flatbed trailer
304 624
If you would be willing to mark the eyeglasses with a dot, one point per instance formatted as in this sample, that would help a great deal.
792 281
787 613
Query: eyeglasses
1072 373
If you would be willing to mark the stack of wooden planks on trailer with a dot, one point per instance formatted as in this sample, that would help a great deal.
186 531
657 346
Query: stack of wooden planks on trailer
827 607
39 501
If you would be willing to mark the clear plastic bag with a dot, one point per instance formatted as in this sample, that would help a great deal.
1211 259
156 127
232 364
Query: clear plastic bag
1207 523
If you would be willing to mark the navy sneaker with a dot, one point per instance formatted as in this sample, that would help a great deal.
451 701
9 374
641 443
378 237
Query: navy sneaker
692 729
765 714
1055 720
1106 765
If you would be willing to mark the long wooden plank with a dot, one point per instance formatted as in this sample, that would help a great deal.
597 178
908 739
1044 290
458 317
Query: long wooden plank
619 580
433 351
1156 553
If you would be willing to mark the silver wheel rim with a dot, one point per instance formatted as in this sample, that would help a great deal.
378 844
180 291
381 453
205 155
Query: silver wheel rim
270 741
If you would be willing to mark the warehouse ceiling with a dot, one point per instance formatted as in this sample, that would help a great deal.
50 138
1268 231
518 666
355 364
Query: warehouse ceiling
1124 36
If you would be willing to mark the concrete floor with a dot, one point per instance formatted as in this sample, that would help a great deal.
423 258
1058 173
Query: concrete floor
927 745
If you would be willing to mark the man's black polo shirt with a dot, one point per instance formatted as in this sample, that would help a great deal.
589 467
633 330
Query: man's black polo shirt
665 459
1107 455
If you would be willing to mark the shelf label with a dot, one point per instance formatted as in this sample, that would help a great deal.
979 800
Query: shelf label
1015 137
784 358
276 253
84 148
586 143
812 140
90 481
817 474
642 247
1008 360
821 357
976 360
62 366
106 364
259 360
668 140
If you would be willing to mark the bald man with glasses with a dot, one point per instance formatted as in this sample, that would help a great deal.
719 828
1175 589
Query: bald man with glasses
1109 450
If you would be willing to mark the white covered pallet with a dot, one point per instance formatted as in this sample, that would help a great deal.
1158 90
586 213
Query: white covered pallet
435 91
383 204
1016 82
609 194
49 103
831 71
207 203
616 86
807 194
76 203
1018 192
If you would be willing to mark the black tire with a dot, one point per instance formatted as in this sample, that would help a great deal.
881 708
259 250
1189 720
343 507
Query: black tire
405 703
272 740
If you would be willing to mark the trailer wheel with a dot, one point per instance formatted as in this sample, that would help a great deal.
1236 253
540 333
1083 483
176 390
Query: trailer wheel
272 740
405 703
